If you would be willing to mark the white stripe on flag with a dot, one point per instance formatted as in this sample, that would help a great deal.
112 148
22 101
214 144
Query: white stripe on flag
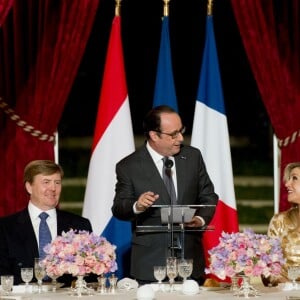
116 142
210 135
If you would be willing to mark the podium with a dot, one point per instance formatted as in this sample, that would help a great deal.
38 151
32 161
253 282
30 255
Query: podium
173 219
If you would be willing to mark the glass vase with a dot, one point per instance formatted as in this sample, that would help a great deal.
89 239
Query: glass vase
246 290
235 284
81 288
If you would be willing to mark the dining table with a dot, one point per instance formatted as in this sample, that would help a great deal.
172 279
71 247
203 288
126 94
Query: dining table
159 293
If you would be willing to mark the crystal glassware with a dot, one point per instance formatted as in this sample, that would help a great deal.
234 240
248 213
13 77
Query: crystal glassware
102 284
112 283
7 282
159 273
39 273
26 275
293 274
185 268
171 267
53 282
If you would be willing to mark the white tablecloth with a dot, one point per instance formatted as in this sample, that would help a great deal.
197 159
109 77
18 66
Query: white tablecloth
266 293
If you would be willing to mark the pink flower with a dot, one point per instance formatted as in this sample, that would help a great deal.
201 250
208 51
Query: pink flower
79 253
245 252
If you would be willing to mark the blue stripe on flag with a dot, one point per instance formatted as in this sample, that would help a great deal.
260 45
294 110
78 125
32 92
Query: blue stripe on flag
164 92
116 232
210 87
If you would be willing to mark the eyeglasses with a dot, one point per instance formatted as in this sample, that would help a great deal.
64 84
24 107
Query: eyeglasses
174 134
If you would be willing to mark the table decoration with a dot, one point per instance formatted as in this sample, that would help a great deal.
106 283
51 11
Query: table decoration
79 253
190 287
127 284
246 254
145 292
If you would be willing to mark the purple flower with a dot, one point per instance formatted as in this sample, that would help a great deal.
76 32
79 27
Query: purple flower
245 252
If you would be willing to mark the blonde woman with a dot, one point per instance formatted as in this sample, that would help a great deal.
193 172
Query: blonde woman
286 224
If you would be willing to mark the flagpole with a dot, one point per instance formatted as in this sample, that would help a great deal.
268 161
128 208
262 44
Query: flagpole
276 157
118 7
56 147
166 7
209 7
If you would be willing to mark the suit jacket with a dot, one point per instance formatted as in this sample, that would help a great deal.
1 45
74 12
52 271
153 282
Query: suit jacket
137 174
18 244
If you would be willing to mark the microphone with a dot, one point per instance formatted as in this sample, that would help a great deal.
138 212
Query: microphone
168 163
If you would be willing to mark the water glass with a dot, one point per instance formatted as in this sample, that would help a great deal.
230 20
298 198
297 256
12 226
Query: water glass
39 272
159 273
293 274
185 268
54 282
26 275
171 270
7 282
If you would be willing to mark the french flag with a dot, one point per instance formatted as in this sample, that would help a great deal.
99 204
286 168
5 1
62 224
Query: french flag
210 135
113 140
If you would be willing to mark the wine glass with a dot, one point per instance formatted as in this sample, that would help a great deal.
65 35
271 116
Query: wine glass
53 282
293 274
159 274
39 273
171 270
185 268
26 275
7 282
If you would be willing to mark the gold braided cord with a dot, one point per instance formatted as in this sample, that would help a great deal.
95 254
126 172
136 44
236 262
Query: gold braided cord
209 7
118 8
289 139
26 127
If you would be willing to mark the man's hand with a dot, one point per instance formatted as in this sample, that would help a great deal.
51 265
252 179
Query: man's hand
146 200
195 222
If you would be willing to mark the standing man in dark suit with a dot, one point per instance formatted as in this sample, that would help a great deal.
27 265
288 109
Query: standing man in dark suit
19 233
140 185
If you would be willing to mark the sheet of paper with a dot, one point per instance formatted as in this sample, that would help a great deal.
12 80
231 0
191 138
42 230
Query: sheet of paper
177 212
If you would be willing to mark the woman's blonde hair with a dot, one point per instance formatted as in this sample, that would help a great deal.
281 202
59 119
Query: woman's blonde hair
288 169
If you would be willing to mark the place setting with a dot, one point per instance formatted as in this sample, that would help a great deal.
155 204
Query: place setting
166 275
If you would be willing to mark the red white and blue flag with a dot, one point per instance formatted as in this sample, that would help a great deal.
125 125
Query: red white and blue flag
113 140
210 135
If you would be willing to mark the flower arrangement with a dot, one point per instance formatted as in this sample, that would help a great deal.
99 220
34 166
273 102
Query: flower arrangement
245 253
79 253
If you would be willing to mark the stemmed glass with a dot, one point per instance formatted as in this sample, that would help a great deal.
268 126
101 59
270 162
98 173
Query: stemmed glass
171 270
54 281
26 275
39 273
293 274
7 282
159 274
185 268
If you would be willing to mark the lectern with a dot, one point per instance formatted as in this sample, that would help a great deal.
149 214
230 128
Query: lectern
173 219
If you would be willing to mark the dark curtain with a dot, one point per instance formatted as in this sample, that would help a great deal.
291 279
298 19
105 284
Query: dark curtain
270 33
41 46
5 6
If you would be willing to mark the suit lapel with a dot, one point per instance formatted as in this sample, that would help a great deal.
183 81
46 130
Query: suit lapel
180 163
151 171
63 224
26 233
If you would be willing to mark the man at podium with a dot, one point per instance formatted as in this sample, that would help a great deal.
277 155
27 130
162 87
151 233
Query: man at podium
163 172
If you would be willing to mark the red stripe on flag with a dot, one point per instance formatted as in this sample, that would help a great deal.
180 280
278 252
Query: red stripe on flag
225 219
114 88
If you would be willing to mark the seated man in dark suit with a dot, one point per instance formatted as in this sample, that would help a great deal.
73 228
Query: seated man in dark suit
19 233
